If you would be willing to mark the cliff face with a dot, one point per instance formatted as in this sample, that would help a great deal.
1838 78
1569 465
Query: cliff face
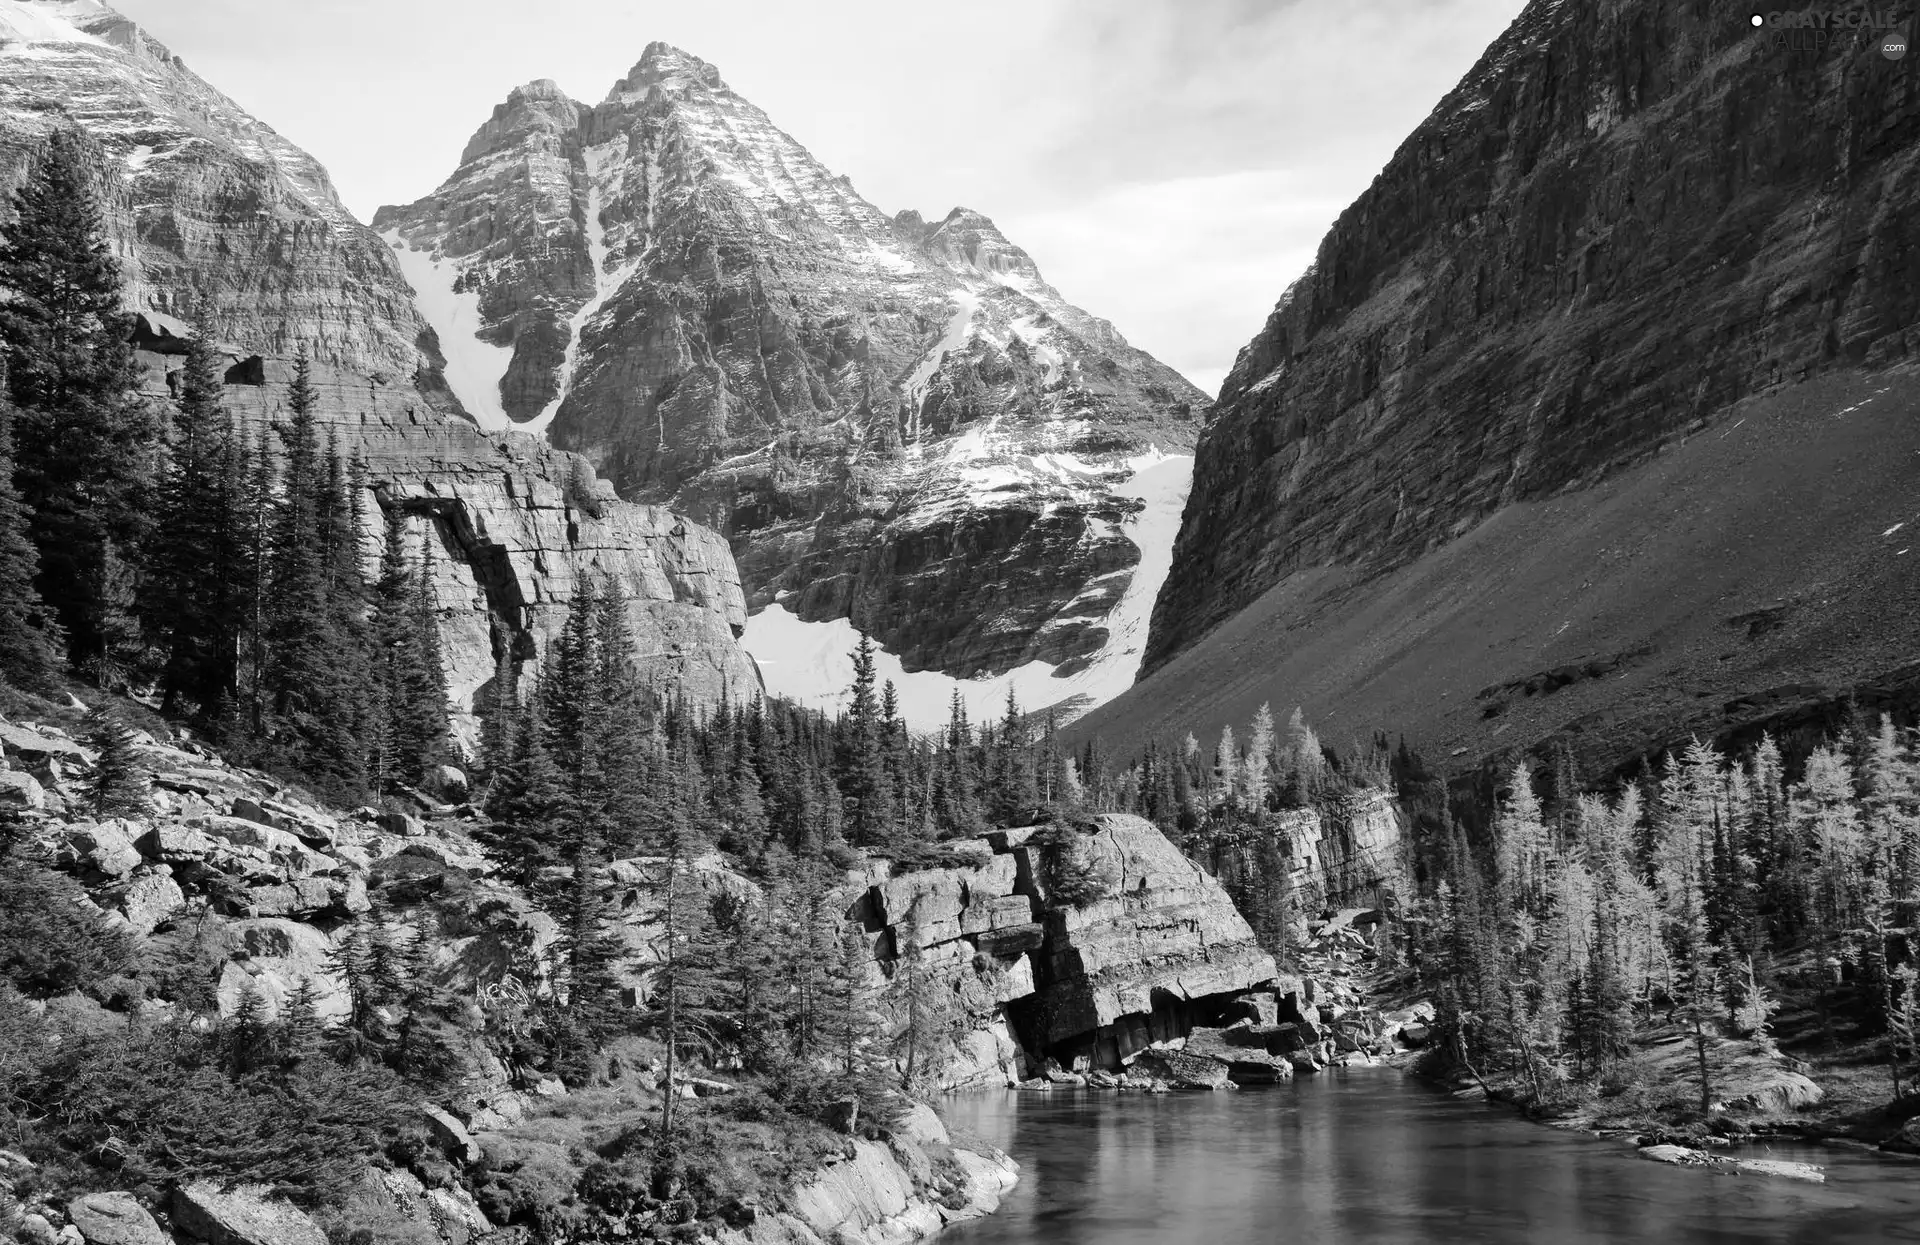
1630 221
1032 976
515 526
892 420
216 218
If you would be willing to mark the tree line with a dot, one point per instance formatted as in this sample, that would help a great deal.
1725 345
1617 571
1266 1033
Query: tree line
1691 897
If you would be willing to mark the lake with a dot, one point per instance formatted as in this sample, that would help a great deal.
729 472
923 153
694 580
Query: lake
1369 1155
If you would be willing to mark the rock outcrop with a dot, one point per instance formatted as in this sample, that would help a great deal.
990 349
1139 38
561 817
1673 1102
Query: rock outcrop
1468 444
114 1219
216 218
206 1212
514 526
1032 976
1347 853
890 1193
892 420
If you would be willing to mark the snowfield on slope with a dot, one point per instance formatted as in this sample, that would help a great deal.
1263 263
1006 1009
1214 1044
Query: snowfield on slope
474 368
812 662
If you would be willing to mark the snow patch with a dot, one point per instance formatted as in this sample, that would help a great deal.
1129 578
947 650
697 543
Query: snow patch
49 23
1896 527
811 662
605 285
965 304
474 367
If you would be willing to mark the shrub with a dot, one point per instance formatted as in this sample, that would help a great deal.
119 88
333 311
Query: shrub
53 941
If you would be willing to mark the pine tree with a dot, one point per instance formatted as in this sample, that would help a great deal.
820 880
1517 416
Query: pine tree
82 440
410 726
864 779
854 1034
30 639
688 990
926 1013
118 783
301 1032
1013 791
193 601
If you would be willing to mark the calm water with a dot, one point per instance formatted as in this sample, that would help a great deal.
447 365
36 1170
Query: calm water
1369 1156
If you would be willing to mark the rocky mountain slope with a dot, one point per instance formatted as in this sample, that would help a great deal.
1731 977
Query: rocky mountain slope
276 883
1589 419
893 420
217 218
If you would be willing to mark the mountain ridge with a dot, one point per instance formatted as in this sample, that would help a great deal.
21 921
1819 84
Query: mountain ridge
895 422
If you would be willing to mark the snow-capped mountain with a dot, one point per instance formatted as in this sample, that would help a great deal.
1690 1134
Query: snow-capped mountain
897 423
219 219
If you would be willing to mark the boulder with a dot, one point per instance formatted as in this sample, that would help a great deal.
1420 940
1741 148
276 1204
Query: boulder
1414 1034
21 791
150 897
245 806
175 843
34 1229
32 747
107 848
405 825
448 782
114 1219
1907 1140
452 1135
242 1217
275 954
1183 1071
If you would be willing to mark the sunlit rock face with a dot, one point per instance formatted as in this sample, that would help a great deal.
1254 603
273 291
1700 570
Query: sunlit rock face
217 219
891 419
1030 976
509 528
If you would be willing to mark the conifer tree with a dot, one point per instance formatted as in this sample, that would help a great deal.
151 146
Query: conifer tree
864 778
30 640
1013 788
118 783
410 715
688 991
301 1032
854 1034
196 576
83 441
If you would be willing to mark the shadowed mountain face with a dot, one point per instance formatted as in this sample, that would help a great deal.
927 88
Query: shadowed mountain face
1424 503
894 420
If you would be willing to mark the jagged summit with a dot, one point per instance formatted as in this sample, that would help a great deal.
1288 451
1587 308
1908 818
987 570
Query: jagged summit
896 422
668 68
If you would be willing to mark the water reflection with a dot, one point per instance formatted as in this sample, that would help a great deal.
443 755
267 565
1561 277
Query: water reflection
1368 1156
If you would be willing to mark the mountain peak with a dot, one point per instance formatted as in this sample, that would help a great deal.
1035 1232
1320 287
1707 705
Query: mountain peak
61 21
669 68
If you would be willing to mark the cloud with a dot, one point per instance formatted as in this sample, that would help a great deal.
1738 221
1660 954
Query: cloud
1186 268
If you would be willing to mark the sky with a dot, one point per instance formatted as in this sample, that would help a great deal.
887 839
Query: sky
1171 165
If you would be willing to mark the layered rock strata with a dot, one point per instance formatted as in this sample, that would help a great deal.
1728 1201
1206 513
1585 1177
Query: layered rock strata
893 420
215 217
1033 977
1611 360
514 527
